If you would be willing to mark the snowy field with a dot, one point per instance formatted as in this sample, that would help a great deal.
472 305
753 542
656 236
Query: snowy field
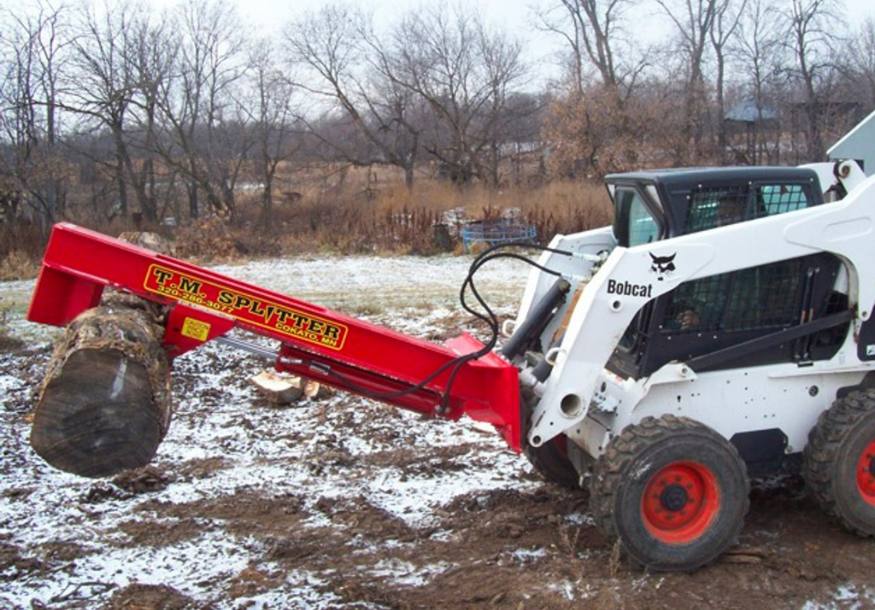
41 507
345 503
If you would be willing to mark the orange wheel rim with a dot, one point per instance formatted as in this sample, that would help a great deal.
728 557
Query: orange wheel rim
680 502
866 473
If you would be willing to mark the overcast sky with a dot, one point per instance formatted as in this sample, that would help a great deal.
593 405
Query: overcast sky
516 16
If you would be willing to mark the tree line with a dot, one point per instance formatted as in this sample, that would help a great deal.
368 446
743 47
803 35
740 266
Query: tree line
124 111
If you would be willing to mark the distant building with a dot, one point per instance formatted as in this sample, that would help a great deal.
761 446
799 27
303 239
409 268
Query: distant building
746 112
857 144
750 129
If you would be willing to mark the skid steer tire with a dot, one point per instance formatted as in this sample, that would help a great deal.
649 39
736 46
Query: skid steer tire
550 460
838 463
674 491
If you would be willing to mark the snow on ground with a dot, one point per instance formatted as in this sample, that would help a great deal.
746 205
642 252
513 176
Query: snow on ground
846 597
260 449
370 285
345 503
396 281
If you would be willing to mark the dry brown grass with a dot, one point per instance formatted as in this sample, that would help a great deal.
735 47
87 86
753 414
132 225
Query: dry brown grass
352 210
391 218
18 265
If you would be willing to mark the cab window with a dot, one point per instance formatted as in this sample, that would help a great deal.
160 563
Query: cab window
634 223
756 298
779 198
712 207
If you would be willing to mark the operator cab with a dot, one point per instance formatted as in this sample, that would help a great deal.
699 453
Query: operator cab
710 314
658 204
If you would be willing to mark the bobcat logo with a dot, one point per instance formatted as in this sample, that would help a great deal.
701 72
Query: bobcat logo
662 266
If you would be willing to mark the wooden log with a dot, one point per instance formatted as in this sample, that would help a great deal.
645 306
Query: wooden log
315 390
105 403
282 389
278 389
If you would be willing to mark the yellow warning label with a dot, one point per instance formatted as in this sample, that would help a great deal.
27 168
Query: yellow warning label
195 329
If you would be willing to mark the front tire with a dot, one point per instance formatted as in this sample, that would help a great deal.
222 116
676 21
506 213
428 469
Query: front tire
839 462
674 491
550 460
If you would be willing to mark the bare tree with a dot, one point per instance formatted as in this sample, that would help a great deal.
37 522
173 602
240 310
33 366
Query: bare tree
606 67
693 20
466 75
349 67
726 21
812 39
123 105
106 83
271 116
199 108
152 57
759 49
35 45
862 58
594 33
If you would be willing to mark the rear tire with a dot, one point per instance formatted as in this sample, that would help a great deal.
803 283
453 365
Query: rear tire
839 462
550 460
674 491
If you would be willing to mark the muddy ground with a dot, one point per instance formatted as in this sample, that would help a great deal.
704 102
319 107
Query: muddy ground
344 503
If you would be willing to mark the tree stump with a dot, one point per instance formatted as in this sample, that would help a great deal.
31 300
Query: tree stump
105 403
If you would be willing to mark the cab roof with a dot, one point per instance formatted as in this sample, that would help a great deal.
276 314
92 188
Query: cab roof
685 175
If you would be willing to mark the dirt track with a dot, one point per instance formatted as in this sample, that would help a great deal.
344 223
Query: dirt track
344 503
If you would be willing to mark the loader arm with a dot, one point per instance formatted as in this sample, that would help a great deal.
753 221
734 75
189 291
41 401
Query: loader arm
347 353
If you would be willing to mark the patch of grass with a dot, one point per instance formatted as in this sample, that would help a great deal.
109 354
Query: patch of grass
390 219
18 265
366 309
337 210
8 343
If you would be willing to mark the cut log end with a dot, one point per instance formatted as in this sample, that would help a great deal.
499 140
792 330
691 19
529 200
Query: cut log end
98 417
105 404
281 389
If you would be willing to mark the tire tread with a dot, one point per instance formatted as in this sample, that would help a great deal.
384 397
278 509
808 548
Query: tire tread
824 444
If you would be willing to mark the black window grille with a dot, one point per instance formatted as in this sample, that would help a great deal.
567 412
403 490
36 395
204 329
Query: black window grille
774 199
762 297
712 207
